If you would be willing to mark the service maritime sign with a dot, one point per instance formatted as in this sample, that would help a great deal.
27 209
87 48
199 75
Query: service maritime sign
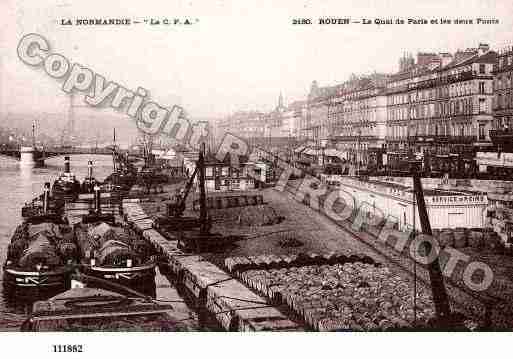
458 200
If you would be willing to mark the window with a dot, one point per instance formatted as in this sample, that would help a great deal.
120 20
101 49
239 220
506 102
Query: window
481 87
481 132
482 105
208 171
482 68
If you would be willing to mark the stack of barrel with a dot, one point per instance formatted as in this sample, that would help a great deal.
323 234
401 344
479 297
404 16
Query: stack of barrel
348 296
477 238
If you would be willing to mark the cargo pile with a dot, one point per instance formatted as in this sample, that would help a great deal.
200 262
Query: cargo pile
252 216
112 245
47 245
476 238
342 296
221 202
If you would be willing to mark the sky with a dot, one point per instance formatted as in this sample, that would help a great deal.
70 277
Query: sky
239 55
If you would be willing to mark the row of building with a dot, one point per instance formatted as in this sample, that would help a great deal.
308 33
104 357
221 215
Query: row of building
450 110
283 122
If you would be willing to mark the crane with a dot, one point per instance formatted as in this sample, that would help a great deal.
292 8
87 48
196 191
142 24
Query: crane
198 236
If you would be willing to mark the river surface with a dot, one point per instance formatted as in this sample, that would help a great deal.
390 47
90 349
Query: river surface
19 185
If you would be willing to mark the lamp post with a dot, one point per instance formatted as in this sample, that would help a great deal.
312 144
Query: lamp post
358 151
323 144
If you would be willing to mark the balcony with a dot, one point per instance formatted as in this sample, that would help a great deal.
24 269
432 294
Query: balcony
449 79
353 138
442 139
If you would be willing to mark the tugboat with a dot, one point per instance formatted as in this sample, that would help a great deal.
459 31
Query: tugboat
89 307
66 186
41 253
115 252
43 206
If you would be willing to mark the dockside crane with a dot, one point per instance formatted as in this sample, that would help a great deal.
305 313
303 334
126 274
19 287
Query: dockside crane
194 232
442 308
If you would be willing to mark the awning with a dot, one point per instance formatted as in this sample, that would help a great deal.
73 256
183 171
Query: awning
310 152
332 152
299 149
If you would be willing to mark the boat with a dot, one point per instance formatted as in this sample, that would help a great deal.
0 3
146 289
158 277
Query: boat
66 187
124 175
43 207
113 251
90 307
40 256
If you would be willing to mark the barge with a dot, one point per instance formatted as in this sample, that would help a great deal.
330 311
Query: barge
113 251
89 307
41 253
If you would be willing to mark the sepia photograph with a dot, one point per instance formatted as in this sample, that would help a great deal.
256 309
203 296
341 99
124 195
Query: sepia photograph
255 166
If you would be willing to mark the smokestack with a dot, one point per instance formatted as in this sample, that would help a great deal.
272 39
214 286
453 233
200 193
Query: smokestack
66 165
46 197
90 169
97 203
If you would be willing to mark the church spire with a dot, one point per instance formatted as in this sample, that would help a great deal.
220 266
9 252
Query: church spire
280 101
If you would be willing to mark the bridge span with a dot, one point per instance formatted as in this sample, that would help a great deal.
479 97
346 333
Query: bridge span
31 155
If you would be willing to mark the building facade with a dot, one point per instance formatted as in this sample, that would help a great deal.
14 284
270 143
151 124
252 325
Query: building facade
503 91
243 124
357 118
497 161
440 109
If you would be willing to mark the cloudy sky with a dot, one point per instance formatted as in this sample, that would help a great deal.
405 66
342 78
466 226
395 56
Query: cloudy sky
239 55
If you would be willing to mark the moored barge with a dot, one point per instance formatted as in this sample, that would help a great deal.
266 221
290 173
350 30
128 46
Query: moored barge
41 254
113 251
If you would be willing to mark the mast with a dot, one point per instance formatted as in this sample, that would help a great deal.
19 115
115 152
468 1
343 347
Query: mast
203 198
34 134
114 149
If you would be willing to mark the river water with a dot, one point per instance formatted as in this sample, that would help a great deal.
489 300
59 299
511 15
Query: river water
19 185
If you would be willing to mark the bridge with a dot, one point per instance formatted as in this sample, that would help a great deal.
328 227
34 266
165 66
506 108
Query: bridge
36 155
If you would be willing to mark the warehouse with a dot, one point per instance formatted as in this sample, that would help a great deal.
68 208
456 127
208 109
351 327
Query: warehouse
446 208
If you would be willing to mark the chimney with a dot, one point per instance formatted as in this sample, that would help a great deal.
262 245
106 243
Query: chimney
90 169
66 165
97 199
483 48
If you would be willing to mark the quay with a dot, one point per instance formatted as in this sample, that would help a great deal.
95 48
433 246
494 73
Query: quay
209 280
212 289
